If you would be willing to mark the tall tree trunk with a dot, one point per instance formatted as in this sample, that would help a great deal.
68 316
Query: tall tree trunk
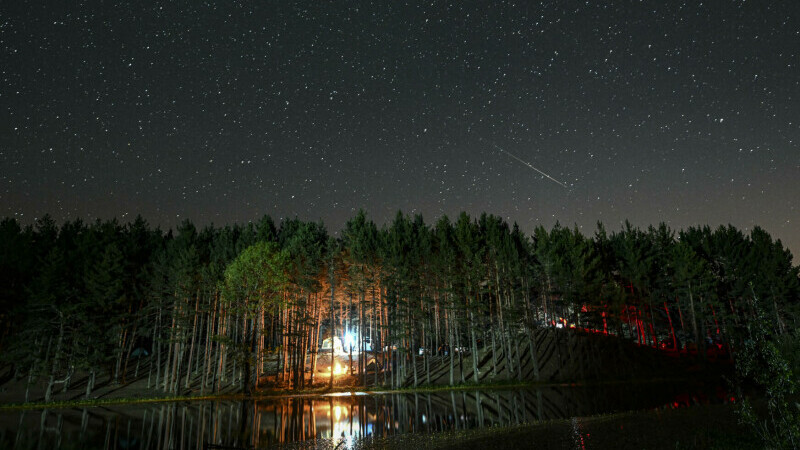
362 363
781 326
56 357
157 352
333 323
411 345
519 359
697 342
90 382
191 344
256 330
474 346
372 337
170 349
249 337
131 343
120 351
492 332
315 344
450 353
530 330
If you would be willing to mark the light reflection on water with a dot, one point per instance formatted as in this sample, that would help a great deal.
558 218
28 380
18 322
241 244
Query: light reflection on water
343 419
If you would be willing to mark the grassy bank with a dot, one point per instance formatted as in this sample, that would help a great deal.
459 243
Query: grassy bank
262 394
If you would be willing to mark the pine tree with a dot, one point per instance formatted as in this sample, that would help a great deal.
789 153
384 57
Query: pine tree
254 283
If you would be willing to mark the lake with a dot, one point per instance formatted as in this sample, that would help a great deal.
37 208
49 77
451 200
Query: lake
341 420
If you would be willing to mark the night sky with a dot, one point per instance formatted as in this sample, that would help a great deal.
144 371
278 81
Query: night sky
682 112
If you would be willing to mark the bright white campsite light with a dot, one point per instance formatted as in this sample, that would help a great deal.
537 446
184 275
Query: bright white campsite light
350 342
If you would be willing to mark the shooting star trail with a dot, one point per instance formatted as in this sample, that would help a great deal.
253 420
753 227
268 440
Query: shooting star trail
525 162
470 130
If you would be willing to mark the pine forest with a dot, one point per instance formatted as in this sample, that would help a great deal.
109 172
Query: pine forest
243 307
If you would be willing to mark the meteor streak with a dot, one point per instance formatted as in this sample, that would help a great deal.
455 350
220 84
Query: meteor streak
470 130
526 163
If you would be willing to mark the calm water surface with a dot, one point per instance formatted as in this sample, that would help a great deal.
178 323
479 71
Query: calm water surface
342 418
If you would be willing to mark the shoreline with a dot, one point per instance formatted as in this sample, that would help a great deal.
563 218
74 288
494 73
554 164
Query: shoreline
324 392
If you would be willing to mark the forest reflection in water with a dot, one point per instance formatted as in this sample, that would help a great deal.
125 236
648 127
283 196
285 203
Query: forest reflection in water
344 418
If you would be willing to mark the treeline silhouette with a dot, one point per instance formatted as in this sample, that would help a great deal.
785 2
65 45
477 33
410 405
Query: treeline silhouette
216 307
